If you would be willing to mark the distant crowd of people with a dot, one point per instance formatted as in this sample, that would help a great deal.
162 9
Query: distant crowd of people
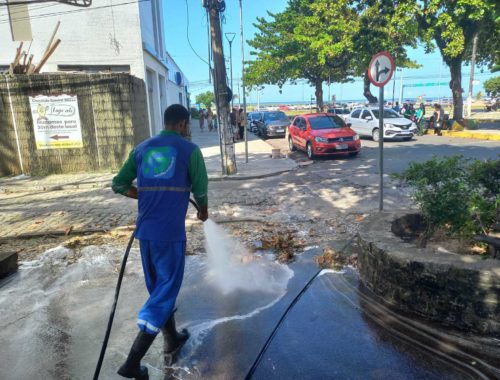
238 119
206 118
436 122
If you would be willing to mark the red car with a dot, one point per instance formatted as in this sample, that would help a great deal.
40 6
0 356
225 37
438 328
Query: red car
323 134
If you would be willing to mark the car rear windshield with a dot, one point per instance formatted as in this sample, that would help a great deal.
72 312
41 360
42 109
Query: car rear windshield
326 122
388 114
275 116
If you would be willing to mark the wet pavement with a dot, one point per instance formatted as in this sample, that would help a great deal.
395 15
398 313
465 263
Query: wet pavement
54 315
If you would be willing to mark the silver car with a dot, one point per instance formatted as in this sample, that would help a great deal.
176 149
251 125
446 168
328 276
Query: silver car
364 121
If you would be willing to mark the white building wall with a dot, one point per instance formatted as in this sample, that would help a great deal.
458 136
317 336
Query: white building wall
89 36
121 34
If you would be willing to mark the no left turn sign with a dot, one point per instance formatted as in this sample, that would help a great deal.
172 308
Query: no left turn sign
380 69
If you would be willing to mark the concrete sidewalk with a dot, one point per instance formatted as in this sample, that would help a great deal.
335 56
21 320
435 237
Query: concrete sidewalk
260 164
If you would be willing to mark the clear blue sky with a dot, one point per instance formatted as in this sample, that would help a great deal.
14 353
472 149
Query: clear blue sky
197 71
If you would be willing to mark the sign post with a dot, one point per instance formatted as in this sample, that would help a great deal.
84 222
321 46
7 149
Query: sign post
380 72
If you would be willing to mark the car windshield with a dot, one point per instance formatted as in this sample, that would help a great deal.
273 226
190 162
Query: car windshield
254 116
342 111
275 116
326 122
388 114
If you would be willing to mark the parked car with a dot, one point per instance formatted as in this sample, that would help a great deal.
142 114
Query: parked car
342 112
253 118
273 124
322 134
364 121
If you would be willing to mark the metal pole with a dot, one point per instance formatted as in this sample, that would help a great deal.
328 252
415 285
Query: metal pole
471 80
393 90
381 148
243 79
231 64
401 89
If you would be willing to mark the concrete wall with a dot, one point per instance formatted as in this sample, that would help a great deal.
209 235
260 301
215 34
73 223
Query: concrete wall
113 115
454 290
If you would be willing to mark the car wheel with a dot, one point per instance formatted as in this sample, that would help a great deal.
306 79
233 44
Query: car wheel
408 138
375 135
309 151
353 154
291 147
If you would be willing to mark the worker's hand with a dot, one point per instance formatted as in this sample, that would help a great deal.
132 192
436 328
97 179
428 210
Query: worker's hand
132 193
203 213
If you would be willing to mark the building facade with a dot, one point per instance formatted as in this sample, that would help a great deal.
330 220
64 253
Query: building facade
109 36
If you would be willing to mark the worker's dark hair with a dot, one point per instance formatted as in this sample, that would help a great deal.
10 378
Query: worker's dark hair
175 114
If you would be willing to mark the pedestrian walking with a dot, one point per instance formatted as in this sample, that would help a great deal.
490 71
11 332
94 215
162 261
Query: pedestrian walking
242 123
438 117
420 115
202 119
210 117
167 167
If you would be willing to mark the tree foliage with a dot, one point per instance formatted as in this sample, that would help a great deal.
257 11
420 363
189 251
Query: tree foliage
492 86
382 27
326 40
308 40
451 26
206 98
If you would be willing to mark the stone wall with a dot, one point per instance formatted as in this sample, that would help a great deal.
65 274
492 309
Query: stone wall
455 290
113 116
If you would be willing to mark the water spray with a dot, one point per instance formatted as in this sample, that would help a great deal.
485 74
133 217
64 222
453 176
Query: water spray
115 302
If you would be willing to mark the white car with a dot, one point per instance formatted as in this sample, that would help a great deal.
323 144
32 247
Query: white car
364 121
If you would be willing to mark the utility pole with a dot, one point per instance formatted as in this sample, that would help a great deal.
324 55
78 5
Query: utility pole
471 80
243 79
221 89
230 39
401 88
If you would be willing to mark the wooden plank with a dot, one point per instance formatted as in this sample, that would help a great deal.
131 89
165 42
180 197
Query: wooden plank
47 56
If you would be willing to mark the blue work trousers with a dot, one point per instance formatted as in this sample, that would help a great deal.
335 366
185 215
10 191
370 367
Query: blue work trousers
163 264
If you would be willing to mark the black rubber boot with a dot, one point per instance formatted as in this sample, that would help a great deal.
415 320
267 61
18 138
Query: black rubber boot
132 368
173 340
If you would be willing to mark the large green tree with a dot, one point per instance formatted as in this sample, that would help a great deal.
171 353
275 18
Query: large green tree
452 25
309 40
206 98
492 86
383 26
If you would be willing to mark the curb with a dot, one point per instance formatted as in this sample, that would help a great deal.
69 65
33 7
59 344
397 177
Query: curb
472 135
39 188
219 178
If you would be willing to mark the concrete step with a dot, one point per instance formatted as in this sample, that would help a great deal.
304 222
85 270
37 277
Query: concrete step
8 263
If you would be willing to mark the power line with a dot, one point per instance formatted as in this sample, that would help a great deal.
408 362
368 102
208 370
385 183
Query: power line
74 11
75 3
187 35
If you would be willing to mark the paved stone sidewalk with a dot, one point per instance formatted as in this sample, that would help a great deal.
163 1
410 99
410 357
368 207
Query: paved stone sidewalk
55 204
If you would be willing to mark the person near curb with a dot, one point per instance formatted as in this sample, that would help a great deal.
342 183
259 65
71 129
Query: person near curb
242 122
168 168
438 116
233 118
202 119
420 115
396 107
210 117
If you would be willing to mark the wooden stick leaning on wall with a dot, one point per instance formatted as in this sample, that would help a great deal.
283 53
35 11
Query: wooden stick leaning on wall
47 56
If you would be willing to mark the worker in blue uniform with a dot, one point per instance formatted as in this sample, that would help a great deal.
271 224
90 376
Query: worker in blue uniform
168 168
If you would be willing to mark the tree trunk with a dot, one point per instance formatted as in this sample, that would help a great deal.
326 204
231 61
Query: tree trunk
456 88
319 94
366 92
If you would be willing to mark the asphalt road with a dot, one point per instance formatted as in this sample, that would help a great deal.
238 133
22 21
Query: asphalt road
398 154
